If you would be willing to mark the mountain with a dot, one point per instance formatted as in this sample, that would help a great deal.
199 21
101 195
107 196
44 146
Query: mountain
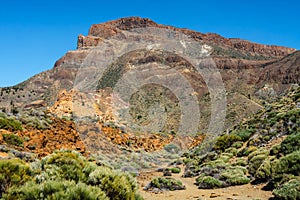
96 98
252 73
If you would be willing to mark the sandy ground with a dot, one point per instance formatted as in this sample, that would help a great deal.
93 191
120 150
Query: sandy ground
243 192
3 155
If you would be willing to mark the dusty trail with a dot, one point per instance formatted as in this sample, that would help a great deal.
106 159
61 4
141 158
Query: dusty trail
243 192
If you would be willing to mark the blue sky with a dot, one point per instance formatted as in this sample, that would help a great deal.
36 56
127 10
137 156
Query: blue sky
34 34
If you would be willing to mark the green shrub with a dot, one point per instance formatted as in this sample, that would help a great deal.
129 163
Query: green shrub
225 141
208 182
245 134
13 173
264 170
237 145
240 162
275 150
172 148
246 151
290 144
175 170
235 176
255 162
116 185
13 139
232 151
10 124
225 157
166 184
214 164
289 164
260 151
68 165
290 190
67 190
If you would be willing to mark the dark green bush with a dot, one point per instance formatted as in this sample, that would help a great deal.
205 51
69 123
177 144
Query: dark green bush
208 182
244 134
290 144
13 173
67 190
290 190
166 184
225 141
289 164
13 139
10 124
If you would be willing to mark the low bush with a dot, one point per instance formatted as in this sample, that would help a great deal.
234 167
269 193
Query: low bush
237 145
245 134
264 171
255 162
35 122
215 164
172 148
208 182
290 190
65 165
225 157
289 164
246 151
235 176
225 141
232 151
13 139
166 184
175 170
13 172
290 144
10 124
67 190
117 186
240 162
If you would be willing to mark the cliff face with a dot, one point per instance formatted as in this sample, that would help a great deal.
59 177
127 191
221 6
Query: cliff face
99 31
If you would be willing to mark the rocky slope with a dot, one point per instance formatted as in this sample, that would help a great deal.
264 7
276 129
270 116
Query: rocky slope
261 149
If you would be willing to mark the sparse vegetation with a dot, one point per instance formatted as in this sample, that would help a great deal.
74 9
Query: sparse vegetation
245 155
13 139
10 124
64 175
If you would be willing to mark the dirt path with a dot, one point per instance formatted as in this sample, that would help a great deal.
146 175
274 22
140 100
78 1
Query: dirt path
243 192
